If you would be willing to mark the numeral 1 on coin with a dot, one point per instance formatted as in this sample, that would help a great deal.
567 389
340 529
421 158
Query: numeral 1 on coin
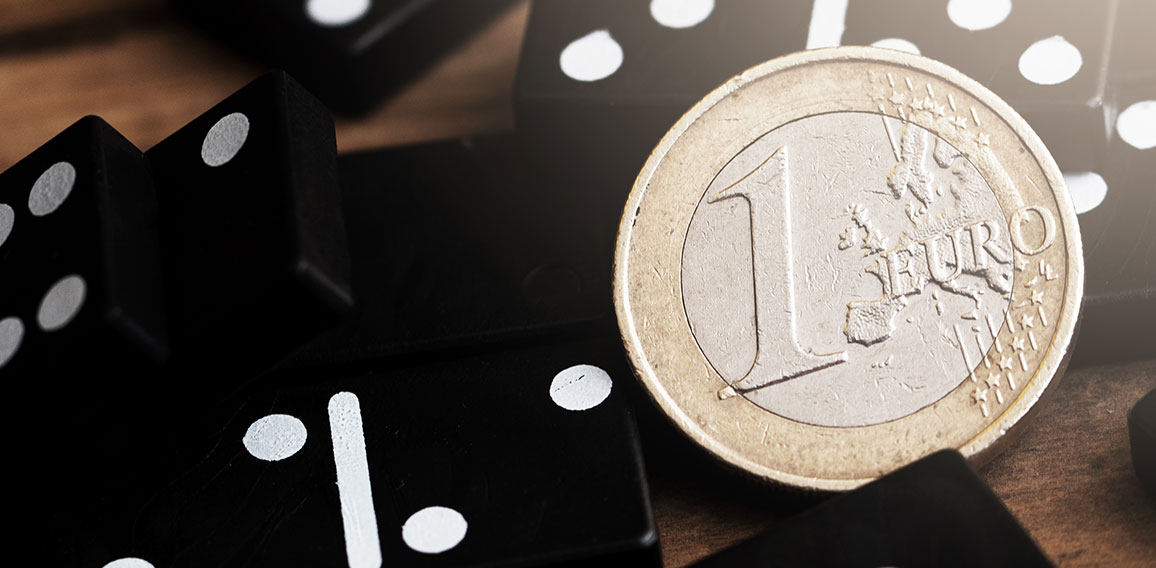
778 355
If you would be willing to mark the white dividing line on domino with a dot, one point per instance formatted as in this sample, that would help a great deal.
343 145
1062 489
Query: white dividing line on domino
828 21
362 545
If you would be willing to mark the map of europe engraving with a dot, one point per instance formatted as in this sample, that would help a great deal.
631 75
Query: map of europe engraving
939 248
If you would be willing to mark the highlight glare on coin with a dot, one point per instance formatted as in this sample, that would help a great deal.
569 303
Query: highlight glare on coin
843 260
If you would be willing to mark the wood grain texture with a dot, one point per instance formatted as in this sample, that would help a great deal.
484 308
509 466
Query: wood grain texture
1068 478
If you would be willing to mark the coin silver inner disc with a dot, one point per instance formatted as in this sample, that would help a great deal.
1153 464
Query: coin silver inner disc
846 269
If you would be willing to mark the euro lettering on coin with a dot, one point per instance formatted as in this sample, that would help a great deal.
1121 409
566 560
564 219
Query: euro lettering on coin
843 260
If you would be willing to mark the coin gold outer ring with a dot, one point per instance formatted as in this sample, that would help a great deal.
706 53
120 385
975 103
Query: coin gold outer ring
648 256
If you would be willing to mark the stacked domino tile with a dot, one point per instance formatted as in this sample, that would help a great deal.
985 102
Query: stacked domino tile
138 291
139 322
182 259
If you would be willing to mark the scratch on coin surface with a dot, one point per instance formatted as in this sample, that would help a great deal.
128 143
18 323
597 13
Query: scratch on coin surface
993 330
963 349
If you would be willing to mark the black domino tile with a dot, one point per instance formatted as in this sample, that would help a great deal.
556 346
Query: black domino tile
456 244
537 484
1142 435
936 512
255 253
103 232
1120 262
351 54
82 323
81 210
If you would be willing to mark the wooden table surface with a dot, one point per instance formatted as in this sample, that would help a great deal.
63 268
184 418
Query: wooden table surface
1068 479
